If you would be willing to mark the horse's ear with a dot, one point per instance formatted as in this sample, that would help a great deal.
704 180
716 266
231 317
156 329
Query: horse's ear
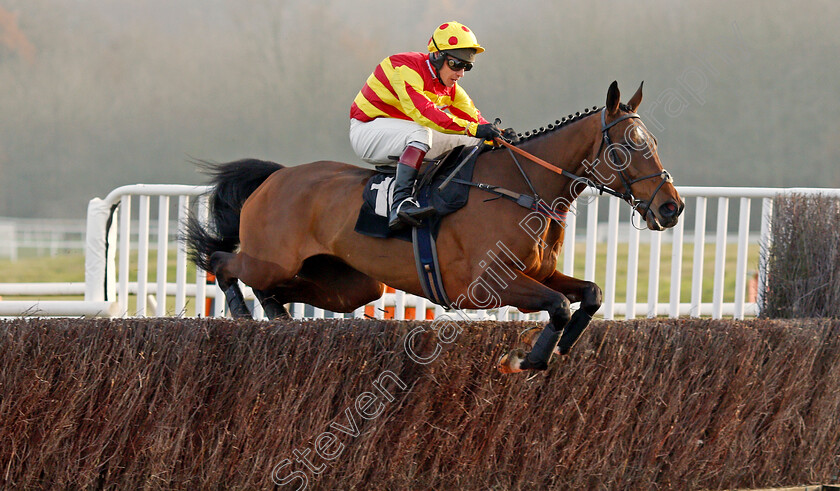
613 98
634 102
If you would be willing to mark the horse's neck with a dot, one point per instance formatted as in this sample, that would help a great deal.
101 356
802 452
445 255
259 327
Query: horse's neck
566 148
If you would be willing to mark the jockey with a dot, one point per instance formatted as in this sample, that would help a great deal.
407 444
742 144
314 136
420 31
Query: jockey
412 106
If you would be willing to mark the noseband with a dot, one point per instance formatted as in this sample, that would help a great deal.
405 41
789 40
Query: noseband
627 195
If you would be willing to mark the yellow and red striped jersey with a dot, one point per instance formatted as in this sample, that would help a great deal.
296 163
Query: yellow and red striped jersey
405 86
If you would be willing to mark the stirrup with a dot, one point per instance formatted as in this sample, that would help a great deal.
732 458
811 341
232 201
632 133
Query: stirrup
412 217
417 214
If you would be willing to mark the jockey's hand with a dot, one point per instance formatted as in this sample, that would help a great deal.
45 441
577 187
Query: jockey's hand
488 131
510 135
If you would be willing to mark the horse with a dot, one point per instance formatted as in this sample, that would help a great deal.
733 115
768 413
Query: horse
294 228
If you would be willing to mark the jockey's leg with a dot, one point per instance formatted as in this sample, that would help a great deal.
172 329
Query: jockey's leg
405 210
377 141
444 142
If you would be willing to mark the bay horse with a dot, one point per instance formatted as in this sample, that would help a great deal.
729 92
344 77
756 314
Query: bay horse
294 228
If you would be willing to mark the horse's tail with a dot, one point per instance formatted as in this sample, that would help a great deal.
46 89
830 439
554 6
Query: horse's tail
232 183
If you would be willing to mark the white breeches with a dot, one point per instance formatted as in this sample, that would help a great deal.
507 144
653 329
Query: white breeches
377 140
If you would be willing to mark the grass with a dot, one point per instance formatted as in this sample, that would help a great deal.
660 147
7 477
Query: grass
60 268
70 268
665 270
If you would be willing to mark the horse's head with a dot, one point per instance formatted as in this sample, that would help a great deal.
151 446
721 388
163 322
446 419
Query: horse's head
626 160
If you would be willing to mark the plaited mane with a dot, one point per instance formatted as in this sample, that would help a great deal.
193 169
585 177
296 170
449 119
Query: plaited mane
560 123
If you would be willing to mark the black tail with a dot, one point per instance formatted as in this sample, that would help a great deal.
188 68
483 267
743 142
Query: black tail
232 183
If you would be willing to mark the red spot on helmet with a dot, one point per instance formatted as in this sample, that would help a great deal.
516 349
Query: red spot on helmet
465 28
443 26
453 41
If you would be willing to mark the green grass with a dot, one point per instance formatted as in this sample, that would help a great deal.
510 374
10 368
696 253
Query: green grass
665 270
70 268
60 268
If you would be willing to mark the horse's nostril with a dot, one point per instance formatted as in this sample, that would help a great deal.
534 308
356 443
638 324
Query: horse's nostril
669 209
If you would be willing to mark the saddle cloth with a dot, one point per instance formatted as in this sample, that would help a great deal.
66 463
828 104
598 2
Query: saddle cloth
378 193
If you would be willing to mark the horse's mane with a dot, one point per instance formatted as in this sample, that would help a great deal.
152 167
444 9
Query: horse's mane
561 123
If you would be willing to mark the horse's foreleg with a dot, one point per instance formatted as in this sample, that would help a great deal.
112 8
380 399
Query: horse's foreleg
220 264
589 296
528 294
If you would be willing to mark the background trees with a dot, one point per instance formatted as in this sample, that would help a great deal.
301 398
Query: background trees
123 92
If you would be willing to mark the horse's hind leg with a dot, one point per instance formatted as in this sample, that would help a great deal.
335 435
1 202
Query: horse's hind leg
329 283
322 281
220 264
272 305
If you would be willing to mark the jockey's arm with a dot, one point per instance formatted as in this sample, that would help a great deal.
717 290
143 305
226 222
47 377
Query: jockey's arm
463 107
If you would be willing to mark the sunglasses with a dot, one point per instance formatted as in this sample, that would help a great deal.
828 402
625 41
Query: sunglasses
458 65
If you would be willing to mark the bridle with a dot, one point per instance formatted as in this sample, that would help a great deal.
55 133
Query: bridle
627 195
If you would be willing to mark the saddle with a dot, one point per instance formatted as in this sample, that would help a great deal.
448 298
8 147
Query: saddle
441 184
445 185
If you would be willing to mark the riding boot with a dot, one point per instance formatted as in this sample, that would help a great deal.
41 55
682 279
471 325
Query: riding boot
405 210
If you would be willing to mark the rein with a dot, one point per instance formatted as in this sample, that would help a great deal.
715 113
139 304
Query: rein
589 182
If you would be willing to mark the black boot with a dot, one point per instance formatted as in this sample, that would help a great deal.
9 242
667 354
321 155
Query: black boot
405 210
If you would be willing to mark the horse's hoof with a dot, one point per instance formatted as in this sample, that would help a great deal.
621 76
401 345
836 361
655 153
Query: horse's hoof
511 362
529 338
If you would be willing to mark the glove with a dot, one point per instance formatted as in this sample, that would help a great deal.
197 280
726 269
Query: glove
487 131
510 135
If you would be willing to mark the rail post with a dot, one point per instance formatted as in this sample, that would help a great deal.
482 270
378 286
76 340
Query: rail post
100 253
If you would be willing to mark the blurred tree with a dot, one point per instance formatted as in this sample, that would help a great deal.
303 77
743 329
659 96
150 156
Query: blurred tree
12 38
125 92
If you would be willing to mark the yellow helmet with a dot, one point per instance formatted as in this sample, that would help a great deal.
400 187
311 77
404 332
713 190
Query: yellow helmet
453 35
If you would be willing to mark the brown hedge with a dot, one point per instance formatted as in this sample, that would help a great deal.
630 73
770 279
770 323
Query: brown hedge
803 279
216 404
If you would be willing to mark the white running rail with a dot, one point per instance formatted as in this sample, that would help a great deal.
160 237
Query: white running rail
108 285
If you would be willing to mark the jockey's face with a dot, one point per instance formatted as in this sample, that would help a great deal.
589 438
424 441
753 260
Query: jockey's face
450 76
